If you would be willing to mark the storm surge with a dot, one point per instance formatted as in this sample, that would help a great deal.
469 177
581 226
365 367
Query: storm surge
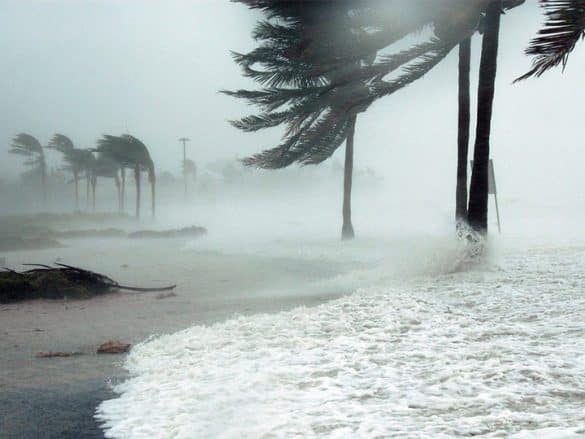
496 350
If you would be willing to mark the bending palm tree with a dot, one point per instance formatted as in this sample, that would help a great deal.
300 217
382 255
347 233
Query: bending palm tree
129 152
463 131
478 191
28 146
73 158
105 167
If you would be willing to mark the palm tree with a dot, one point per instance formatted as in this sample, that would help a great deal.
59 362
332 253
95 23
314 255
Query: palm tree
129 152
313 75
563 29
464 118
313 78
104 166
478 191
28 146
463 131
75 161
87 159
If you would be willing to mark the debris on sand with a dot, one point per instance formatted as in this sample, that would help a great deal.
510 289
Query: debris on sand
113 347
57 354
61 281
187 232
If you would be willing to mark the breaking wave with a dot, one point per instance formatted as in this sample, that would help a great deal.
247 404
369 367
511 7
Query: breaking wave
492 352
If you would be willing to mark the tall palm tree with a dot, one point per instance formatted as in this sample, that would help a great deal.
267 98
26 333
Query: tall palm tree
74 160
312 72
88 160
314 80
347 231
28 146
478 191
105 167
463 128
129 152
463 131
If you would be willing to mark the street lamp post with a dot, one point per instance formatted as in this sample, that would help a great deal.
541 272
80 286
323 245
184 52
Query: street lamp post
184 140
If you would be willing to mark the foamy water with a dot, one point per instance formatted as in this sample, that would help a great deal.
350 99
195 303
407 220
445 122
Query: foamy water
496 351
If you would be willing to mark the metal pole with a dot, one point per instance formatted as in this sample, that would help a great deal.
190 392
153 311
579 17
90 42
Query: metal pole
492 181
498 213
184 140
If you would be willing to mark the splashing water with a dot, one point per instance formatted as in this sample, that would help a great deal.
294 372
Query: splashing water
493 353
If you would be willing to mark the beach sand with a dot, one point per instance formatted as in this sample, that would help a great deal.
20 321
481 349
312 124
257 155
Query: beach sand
56 397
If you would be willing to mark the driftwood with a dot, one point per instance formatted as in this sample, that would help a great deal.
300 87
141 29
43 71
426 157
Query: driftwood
113 347
61 281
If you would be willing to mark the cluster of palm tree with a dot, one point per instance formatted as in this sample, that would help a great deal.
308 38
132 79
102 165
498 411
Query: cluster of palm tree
109 159
320 64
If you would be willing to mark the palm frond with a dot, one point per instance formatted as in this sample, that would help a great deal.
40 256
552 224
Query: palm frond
61 143
26 142
563 28
415 71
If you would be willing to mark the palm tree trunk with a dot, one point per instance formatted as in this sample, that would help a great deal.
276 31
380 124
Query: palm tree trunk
137 179
44 178
89 177
76 178
153 193
93 185
478 193
463 131
118 190
123 190
347 229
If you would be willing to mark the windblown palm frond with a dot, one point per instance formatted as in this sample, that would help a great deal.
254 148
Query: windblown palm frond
320 63
25 144
61 143
28 146
76 160
563 28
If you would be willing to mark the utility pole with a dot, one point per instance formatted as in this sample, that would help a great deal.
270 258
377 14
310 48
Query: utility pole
184 140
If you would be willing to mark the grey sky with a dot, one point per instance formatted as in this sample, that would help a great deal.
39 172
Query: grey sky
85 68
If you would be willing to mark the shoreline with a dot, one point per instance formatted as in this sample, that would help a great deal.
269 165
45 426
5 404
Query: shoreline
57 397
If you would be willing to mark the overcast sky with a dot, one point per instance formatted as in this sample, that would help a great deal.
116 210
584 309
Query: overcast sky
153 68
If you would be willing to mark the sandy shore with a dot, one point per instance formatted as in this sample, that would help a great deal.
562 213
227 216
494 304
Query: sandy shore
56 397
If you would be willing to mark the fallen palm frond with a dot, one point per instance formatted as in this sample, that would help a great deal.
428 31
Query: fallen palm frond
61 281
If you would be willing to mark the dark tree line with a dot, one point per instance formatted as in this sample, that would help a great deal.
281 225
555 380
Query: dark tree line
109 159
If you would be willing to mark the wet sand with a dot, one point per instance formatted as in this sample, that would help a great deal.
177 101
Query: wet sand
56 397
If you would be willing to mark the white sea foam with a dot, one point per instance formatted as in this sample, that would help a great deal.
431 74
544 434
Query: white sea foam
492 352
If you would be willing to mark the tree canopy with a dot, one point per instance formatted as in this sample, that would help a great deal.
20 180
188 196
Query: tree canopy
319 64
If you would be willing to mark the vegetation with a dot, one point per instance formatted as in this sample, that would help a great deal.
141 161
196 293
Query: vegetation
29 147
77 161
563 29
320 64
62 281
127 151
